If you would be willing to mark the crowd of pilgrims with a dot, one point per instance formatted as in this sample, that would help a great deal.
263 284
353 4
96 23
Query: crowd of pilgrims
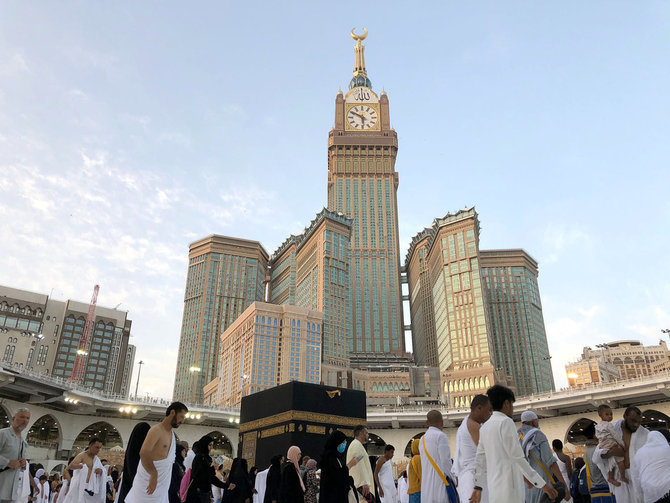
495 462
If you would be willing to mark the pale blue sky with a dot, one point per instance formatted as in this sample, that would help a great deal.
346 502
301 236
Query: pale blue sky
128 130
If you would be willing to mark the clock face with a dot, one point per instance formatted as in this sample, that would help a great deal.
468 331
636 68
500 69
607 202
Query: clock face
362 117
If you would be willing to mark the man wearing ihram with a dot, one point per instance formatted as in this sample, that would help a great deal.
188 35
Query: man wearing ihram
499 456
14 474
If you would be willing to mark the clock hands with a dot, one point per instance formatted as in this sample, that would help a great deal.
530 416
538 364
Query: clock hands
359 116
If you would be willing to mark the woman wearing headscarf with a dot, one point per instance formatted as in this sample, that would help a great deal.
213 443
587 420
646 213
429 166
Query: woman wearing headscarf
335 479
132 458
652 466
203 475
178 471
311 482
273 480
239 476
292 488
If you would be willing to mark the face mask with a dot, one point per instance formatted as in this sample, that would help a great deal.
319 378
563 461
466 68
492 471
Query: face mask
341 447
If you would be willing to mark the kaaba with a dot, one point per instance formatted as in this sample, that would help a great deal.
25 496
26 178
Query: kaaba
296 413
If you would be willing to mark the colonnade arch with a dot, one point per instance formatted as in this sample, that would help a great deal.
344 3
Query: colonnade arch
108 435
45 432
375 445
655 420
408 447
5 417
222 444
575 433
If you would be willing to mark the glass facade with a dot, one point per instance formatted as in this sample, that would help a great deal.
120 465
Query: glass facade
362 186
515 316
313 269
225 276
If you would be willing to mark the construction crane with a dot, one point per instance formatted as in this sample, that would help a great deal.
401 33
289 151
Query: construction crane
82 350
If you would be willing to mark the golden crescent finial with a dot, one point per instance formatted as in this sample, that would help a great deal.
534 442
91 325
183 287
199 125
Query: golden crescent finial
359 37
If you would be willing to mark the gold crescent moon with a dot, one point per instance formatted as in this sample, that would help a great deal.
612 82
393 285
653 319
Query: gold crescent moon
359 37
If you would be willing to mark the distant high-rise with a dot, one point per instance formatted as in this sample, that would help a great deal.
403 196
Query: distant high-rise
225 276
267 346
449 327
516 325
42 334
362 184
312 270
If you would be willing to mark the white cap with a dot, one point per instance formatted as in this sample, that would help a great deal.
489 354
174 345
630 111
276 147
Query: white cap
528 415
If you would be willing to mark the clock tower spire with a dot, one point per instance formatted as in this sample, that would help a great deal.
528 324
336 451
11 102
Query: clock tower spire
360 77
362 184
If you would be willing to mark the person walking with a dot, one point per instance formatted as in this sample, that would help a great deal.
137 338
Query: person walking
178 471
311 482
597 487
361 472
241 490
384 476
203 475
292 488
499 457
273 480
652 467
467 438
414 474
14 473
535 447
437 480
336 483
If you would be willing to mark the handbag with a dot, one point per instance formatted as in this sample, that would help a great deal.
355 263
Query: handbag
560 488
351 496
452 494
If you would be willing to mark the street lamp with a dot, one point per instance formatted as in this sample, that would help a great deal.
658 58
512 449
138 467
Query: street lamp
137 385
574 379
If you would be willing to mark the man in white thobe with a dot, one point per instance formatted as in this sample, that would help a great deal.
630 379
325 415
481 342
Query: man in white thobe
259 486
652 466
14 475
361 472
434 443
89 482
634 437
499 458
467 439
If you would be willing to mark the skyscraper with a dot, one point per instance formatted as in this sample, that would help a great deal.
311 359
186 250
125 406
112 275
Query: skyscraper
266 346
225 275
312 270
516 325
362 184
449 322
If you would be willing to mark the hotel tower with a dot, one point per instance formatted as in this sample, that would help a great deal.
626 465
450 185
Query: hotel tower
362 184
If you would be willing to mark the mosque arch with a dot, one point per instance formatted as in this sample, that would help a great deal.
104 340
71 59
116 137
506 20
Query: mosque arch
386 387
45 432
487 383
222 445
108 435
655 420
375 445
395 386
575 433
374 386
408 447
59 469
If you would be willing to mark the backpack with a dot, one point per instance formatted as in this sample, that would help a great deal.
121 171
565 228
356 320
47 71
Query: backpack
574 484
185 484
583 482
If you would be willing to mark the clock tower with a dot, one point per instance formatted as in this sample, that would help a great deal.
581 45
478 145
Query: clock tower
362 184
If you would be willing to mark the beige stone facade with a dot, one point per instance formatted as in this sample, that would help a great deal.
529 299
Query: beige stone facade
447 304
266 346
312 270
41 334
626 359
